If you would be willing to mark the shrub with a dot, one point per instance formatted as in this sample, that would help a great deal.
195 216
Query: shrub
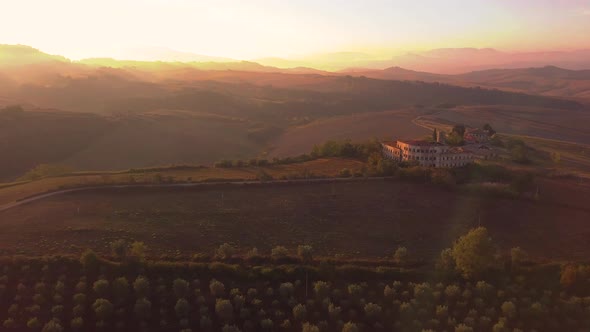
120 289
307 327
52 326
103 309
217 288
239 301
33 323
508 309
89 260
101 288
225 251
79 298
142 308
350 327
182 308
463 328
78 310
305 252
180 288
517 256
373 311
345 173
9 323
355 290
299 312
401 255
224 310
266 324
138 251
334 311
279 252
474 253
205 323
286 289
77 323
57 310
230 328
321 289
119 249
141 286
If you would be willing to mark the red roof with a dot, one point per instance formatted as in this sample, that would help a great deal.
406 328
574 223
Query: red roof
420 143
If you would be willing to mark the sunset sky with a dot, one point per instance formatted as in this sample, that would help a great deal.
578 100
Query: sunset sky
264 28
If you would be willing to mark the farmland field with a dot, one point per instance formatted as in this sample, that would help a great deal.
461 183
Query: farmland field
356 127
355 219
329 167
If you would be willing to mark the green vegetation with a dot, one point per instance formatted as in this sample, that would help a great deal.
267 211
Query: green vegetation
45 170
482 290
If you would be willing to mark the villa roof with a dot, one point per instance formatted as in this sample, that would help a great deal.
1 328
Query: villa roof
476 131
420 143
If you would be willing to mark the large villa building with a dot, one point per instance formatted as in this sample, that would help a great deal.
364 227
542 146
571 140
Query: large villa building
438 154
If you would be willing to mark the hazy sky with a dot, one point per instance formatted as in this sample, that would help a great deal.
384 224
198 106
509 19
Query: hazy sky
247 29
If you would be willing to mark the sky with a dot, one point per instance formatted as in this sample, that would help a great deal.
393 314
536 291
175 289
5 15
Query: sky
251 29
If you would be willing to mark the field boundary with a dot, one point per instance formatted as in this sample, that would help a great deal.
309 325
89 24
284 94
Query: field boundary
44 195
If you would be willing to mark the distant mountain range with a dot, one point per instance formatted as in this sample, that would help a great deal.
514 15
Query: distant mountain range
23 64
440 61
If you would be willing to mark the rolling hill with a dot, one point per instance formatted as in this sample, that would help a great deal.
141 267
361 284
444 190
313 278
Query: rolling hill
140 114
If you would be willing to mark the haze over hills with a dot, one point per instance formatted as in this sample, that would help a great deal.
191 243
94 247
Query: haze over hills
548 80
113 114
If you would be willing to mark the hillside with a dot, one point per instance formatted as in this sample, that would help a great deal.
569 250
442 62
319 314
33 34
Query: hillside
333 218
549 80
140 114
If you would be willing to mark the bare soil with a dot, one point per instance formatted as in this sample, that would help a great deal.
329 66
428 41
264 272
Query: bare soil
358 219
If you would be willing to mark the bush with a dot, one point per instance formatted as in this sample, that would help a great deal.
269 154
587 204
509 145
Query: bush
142 308
508 309
474 253
225 251
517 256
103 309
101 287
345 173
89 260
52 326
217 288
321 289
120 289
401 255
182 308
350 327
119 249
279 252
355 291
463 328
77 323
33 323
373 311
180 288
286 289
307 327
9 323
305 252
266 324
300 312
138 251
224 310
230 328
141 286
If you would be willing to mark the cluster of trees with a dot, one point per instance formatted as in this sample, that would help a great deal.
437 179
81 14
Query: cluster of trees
254 162
46 170
519 151
465 294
